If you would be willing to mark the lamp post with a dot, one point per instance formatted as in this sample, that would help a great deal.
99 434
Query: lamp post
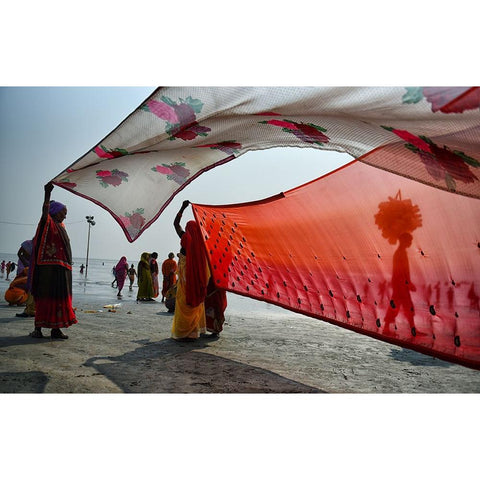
90 222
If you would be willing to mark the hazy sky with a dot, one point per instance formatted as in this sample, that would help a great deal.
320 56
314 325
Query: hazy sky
45 129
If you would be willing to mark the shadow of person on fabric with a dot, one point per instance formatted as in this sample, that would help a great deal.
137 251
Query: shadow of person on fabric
402 285
397 218
170 367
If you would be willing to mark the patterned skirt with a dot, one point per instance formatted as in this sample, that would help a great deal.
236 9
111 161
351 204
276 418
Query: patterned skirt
52 290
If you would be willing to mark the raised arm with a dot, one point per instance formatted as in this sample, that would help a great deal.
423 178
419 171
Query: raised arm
178 217
46 200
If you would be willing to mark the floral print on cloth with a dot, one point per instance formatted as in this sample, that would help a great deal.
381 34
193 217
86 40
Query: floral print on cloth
440 162
445 99
228 146
133 221
103 152
112 177
180 132
180 117
175 171
306 132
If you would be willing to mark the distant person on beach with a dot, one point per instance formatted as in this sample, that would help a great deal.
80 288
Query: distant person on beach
114 273
121 274
132 273
10 268
145 283
193 273
169 272
2 268
154 271
51 265
24 258
171 294
82 268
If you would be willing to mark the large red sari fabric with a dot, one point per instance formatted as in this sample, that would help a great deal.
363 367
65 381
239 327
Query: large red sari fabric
363 249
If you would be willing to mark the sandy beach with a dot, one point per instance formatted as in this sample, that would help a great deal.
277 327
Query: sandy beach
263 349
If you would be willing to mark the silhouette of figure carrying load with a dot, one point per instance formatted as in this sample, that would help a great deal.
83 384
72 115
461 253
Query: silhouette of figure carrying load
397 219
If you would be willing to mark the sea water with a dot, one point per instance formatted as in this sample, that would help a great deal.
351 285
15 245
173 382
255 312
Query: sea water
94 287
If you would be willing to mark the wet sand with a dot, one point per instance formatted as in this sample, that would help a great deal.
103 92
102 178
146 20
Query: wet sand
130 351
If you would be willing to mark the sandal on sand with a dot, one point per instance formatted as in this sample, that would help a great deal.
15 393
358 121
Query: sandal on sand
57 333
209 335
36 334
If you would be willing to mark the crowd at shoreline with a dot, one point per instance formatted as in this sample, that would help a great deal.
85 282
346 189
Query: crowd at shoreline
44 279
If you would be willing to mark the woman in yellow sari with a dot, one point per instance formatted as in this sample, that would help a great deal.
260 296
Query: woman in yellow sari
145 283
193 274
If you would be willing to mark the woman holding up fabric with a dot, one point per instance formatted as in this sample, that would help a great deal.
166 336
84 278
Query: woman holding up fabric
121 270
145 283
51 271
193 274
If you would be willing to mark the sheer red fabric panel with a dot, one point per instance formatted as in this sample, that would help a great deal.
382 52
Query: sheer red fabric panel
361 248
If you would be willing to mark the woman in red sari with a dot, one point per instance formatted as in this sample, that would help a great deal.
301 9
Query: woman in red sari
154 272
121 270
51 271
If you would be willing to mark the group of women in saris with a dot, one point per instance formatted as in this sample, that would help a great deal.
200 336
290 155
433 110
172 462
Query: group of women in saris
199 306
194 291
147 274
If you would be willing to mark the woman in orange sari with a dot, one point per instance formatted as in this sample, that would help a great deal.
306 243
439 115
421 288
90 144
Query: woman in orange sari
169 271
51 271
17 293
193 274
